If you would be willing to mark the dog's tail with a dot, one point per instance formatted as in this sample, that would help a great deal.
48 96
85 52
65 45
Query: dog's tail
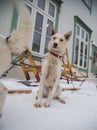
21 37
24 14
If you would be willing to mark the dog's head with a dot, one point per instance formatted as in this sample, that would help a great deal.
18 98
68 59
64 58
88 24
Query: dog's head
58 41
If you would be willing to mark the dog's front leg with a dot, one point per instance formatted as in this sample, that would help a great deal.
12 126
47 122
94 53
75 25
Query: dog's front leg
40 95
41 88
51 94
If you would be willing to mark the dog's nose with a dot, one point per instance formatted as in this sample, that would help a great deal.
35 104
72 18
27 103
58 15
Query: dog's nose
55 45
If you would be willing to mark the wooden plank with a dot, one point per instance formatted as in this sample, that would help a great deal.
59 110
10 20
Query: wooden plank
70 89
20 91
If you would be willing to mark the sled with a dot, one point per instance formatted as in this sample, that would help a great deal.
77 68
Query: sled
71 72
25 60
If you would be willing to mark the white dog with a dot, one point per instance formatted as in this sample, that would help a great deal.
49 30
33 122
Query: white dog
51 70
18 39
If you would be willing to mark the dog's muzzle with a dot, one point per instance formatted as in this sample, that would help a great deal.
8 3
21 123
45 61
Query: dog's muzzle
55 45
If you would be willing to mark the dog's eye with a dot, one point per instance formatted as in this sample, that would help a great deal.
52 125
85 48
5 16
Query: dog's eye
61 40
54 38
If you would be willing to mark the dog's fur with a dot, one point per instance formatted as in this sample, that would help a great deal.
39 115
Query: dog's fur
51 70
3 95
18 39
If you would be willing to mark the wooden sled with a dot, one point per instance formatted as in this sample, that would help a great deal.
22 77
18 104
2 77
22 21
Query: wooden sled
71 72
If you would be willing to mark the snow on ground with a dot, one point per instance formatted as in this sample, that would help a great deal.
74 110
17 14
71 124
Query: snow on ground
79 112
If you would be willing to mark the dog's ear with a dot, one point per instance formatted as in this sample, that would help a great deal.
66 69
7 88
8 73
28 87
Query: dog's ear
68 35
52 31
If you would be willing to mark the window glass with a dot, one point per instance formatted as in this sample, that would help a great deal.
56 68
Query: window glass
85 49
41 4
82 47
82 34
51 9
86 39
76 58
78 30
46 44
39 22
81 59
49 26
85 61
48 31
31 0
37 32
77 45
36 42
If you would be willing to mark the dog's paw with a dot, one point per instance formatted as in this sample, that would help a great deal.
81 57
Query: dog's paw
46 104
37 104
61 100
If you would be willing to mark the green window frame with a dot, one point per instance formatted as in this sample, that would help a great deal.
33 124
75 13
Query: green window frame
81 45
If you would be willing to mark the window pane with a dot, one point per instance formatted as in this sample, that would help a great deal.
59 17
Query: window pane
81 59
82 34
76 58
46 44
31 0
77 45
48 35
51 9
85 61
36 42
49 26
41 4
86 37
39 22
81 48
85 49
78 30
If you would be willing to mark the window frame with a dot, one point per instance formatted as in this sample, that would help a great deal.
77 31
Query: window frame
78 21
46 17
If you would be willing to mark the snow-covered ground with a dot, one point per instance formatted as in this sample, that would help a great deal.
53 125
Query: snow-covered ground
79 112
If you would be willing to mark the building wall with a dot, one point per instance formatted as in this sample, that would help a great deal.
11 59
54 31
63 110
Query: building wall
71 8
6 11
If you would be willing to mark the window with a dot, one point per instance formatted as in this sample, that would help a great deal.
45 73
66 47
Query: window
43 13
81 44
45 19
41 4
81 47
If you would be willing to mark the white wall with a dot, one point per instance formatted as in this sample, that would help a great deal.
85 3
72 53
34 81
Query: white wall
69 9
6 11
